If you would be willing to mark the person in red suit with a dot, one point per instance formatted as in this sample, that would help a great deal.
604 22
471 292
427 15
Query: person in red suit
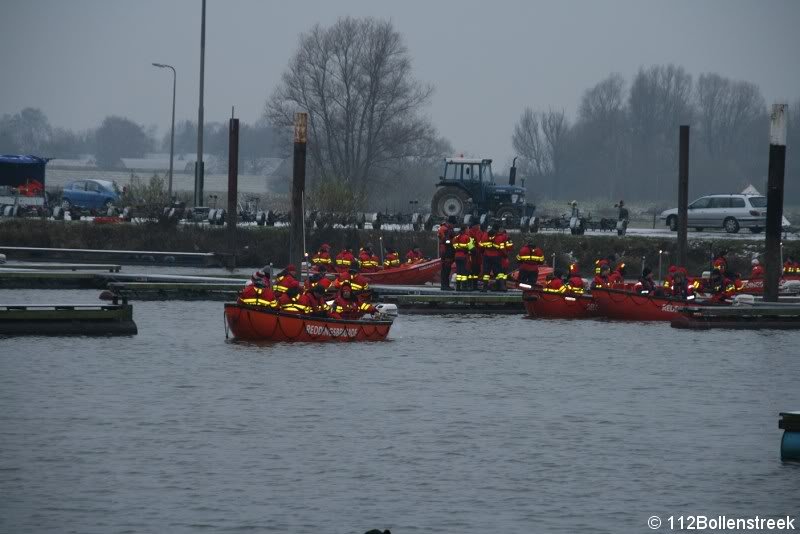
602 279
392 259
462 245
345 260
476 256
617 278
367 260
321 260
554 283
414 255
757 271
575 281
530 257
286 280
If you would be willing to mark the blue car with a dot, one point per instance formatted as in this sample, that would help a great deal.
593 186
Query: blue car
89 194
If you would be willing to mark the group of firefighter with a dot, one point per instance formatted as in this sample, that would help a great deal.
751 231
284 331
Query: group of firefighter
722 284
345 297
481 255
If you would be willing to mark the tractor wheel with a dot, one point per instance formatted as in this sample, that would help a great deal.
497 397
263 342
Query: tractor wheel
449 201
506 213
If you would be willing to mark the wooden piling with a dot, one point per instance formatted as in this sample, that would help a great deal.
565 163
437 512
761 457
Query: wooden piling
296 239
777 164
233 186
683 195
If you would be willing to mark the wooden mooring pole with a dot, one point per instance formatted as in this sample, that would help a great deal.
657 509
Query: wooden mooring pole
233 186
683 195
777 164
296 239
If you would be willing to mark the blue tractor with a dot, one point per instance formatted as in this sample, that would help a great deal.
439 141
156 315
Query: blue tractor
467 187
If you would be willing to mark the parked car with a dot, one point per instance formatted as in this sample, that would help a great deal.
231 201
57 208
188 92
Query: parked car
90 194
729 212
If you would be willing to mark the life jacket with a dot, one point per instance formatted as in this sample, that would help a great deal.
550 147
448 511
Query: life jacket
257 296
463 244
530 258
368 261
392 259
575 284
601 281
476 234
412 257
317 305
344 260
502 243
297 304
598 265
721 264
486 245
285 282
556 285
321 259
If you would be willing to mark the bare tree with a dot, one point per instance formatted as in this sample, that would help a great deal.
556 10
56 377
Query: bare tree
555 128
660 100
529 144
354 79
726 109
602 134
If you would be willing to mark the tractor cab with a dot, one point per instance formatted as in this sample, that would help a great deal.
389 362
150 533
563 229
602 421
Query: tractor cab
467 187
469 170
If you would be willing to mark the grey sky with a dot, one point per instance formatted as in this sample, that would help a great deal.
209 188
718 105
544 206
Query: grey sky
80 60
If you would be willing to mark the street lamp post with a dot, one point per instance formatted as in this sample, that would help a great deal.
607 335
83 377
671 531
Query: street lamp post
172 132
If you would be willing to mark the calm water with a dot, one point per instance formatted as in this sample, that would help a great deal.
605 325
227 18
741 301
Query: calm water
459 424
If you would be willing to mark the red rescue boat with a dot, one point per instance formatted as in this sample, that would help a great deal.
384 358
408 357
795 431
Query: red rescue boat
257 323
630 306
407 274
543 304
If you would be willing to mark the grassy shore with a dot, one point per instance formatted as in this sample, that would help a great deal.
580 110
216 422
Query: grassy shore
256 246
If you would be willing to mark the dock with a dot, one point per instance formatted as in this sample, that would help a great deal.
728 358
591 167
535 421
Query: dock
34 279
127 257
110 267
760 315
67 320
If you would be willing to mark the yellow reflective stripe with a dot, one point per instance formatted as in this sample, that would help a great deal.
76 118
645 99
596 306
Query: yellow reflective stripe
537 258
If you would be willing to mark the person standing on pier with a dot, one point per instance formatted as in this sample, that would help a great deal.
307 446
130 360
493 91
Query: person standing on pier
446 252
530 257
476 256
505 246
463 245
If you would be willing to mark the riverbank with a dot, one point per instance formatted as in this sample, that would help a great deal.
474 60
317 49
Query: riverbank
257 246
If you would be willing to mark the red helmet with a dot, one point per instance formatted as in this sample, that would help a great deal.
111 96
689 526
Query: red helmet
326 247
672 269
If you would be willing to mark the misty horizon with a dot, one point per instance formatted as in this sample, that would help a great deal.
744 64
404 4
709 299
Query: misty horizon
92 59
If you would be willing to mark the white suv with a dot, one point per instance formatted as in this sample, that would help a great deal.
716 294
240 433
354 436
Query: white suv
730 212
